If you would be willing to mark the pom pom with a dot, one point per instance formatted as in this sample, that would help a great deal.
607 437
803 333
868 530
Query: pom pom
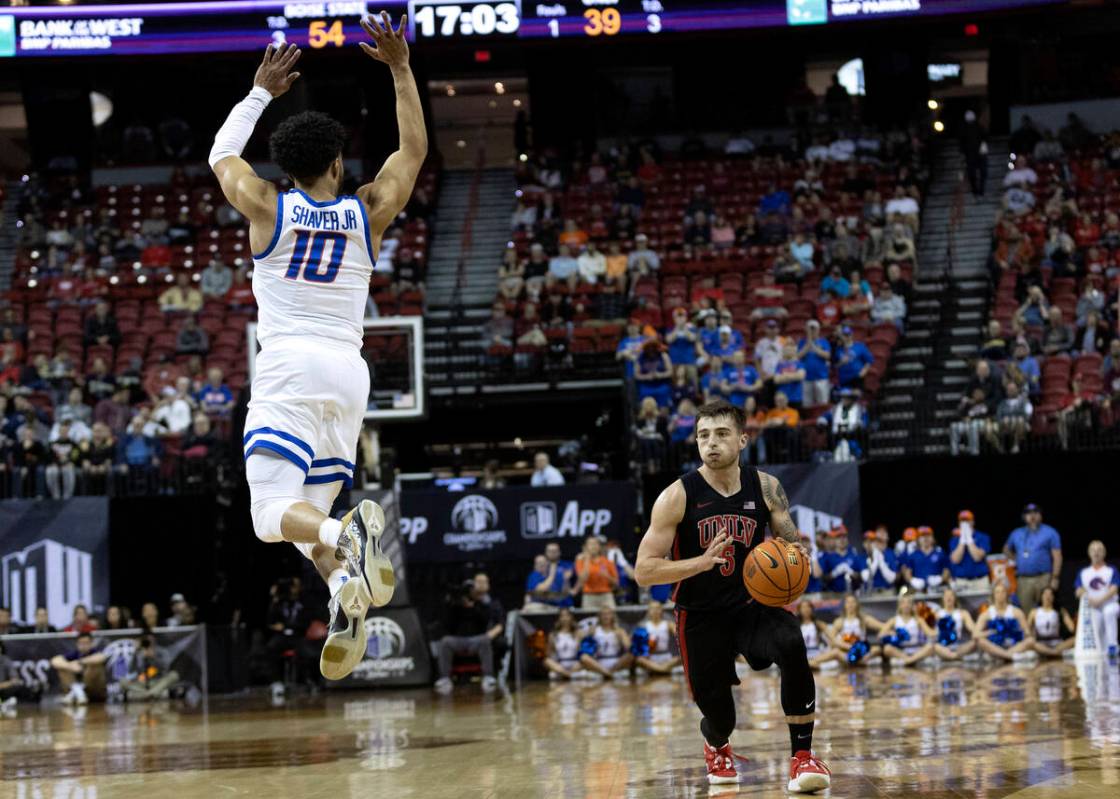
899 639
589 646
946 631
1004 632
857 651
639 643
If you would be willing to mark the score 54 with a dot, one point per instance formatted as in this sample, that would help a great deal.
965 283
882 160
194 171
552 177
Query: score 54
319 35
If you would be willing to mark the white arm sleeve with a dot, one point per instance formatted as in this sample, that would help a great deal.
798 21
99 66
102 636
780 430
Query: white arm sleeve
232 137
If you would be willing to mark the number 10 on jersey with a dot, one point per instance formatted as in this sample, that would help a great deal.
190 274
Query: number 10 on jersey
309 260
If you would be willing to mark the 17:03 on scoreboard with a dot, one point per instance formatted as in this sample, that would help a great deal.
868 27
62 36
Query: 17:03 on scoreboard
446 19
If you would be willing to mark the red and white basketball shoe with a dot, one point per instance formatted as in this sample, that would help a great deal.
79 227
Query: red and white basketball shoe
721 764
808 773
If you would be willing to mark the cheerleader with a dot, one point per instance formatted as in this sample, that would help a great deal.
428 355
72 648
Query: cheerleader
1046 627
1002 628
952 624
656 657
815 633
850 635
605 648
563 647
907 638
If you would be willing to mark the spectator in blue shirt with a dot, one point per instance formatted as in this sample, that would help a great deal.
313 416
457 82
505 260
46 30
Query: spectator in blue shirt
927 566
215 398
711 382
839 563
853 360
653 372
789 376
815 354
775 201
835 284
880 564
725 346
1037 549
709 333
563 267
562 572
683 340
1028 365
740 380
630 347
968 556
801 249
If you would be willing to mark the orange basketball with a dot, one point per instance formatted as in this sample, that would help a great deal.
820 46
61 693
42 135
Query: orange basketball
776 573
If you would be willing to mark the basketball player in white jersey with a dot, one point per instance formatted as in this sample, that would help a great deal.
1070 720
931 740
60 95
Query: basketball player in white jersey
313 254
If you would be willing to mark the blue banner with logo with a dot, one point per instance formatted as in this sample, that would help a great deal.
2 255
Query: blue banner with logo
54 554
514 523
821 496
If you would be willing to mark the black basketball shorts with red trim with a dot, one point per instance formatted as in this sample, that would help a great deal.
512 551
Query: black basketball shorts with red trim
711 640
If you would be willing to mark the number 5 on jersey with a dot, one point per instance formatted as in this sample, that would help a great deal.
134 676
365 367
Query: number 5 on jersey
309 260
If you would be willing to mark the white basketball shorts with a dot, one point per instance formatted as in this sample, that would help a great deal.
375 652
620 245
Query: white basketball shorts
308 402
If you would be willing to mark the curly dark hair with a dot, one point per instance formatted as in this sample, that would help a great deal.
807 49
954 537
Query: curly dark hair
304 145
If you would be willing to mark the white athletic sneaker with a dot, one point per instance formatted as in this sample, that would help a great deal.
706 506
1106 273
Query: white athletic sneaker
489 684
359 547
346 643
444 685
8 706
79 692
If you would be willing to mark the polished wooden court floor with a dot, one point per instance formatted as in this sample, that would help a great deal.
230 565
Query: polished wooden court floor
1045 730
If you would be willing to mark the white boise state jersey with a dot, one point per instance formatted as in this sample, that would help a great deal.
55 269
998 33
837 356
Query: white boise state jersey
312 281
1097 581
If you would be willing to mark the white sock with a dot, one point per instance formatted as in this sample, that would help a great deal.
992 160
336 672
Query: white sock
336 580
329 532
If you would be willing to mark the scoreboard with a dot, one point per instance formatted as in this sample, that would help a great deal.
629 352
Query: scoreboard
206 26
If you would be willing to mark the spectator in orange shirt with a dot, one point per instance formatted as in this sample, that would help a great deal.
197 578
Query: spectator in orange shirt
596 576
780 429
573 236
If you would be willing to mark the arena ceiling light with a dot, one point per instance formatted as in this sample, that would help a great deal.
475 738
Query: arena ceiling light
101 107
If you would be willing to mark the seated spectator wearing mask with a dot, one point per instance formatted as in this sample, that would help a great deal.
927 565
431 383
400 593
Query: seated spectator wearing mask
968 555
472 622
927 567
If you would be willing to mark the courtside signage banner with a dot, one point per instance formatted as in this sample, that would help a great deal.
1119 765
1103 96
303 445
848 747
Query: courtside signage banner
513 523
397 652
54 554
821 496
184 648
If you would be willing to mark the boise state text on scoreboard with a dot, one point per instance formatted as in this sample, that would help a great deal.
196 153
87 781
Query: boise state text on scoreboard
233 25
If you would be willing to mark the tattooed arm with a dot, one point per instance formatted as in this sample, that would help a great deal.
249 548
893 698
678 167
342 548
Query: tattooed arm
781 523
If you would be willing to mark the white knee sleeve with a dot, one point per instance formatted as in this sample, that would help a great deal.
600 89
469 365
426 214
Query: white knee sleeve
267 515
275 484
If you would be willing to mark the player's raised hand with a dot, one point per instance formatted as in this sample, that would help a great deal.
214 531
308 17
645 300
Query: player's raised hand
392 48
274 74
711 556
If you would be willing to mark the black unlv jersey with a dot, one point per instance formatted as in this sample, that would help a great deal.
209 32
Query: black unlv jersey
707 514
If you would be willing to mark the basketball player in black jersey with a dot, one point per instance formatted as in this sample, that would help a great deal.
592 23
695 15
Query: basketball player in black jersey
701 530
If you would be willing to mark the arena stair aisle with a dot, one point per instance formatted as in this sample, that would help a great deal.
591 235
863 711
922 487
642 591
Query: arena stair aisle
948 308
9 233
474 216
